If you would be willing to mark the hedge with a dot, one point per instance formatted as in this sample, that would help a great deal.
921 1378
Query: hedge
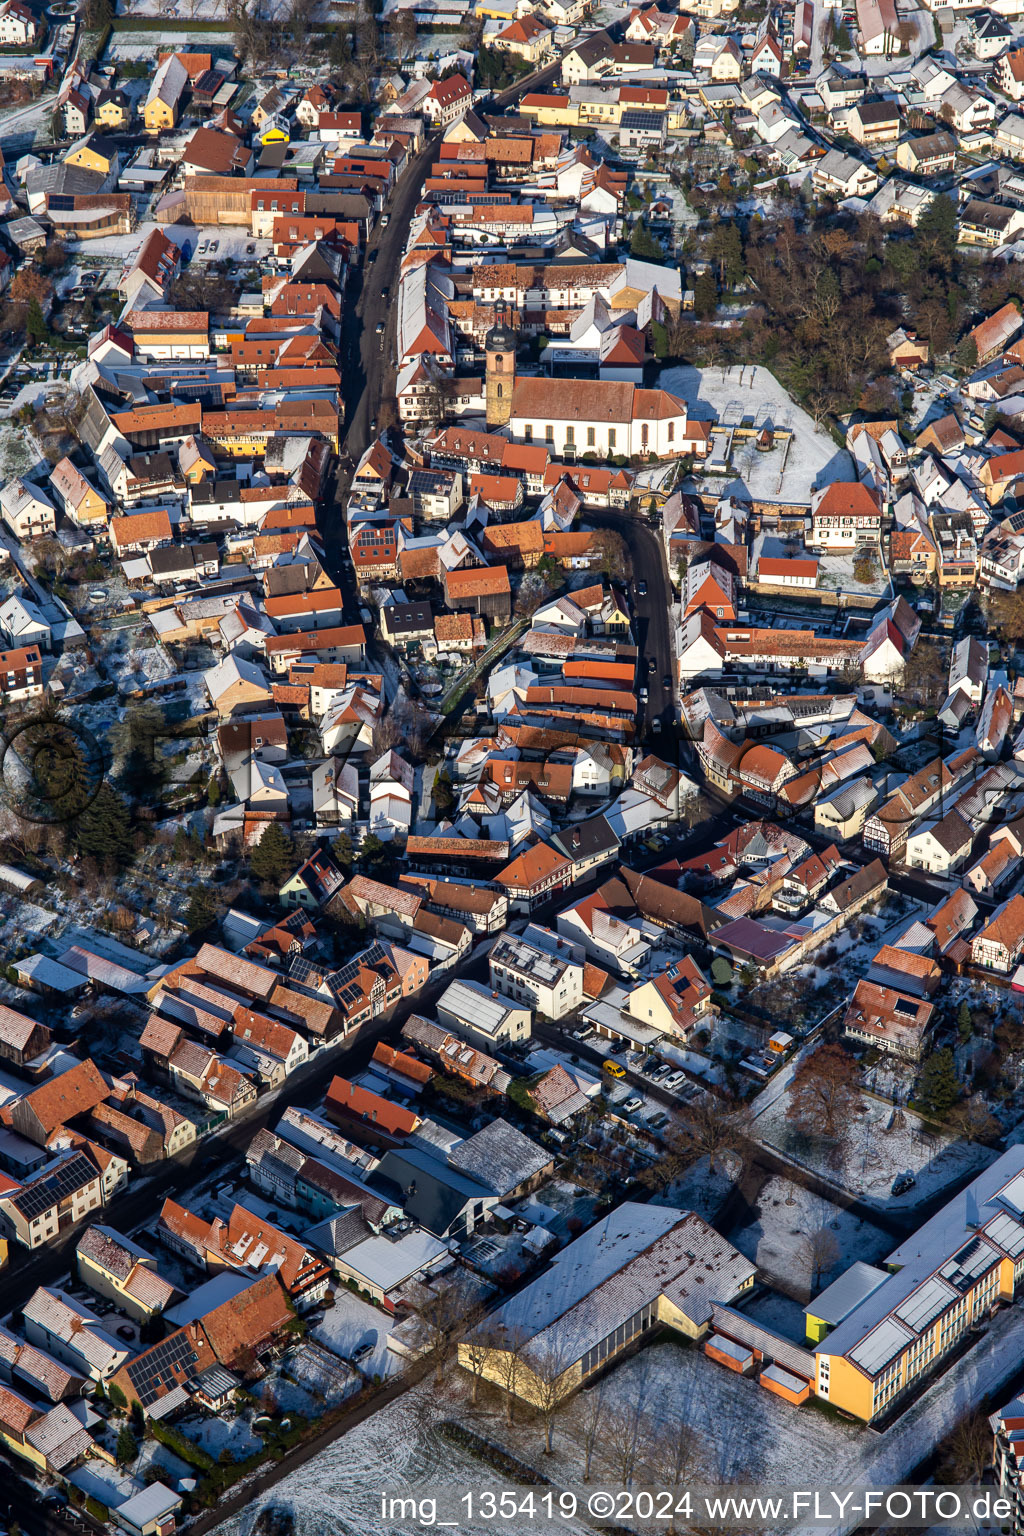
181 1445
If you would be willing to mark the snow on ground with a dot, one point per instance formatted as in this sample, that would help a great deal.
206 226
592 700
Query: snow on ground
728 395
738 1432
20 122
874 1152
397 1451
781 1313
19 452
701 1191
309 1378
842 962
836 573
215 1434
232 244
779 1241
132 665
352 1322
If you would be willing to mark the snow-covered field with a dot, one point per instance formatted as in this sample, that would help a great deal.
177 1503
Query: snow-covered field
396 1450
729 394
874 1152
779 1241
736 1433
836 572
309 1378
700 1190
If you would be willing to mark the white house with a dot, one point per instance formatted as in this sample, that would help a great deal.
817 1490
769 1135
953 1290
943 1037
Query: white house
27 512
18 25
539 969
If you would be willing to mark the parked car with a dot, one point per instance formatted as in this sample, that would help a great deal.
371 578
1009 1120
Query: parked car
633 1103
641 588
675 1081
614 1069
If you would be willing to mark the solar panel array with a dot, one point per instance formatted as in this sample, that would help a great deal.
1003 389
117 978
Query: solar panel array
58 1185
925 1304
964 1267
157 1372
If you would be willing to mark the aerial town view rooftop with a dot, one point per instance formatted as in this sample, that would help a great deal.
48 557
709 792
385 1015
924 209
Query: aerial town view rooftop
511 764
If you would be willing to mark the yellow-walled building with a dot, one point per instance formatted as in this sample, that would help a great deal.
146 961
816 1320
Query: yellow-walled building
877 1332
638 1268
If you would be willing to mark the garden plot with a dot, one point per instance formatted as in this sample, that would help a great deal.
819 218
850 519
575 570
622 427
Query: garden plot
874 1151
729 394
846 957
309 1378
351 1323
842 573
216 1434
801 1242
20 453
132 666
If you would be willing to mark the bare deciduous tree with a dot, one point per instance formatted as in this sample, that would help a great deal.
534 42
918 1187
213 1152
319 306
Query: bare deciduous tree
508 1364
626 1438
444 1316
967 1450
474 1352
710 1126
823 1252
588 1417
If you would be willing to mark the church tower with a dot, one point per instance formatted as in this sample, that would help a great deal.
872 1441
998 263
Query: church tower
500 354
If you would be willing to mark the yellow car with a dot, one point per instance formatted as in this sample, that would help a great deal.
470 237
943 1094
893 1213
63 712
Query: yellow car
614 1070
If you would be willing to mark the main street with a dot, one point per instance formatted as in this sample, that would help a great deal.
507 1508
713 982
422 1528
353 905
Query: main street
652 601
371 296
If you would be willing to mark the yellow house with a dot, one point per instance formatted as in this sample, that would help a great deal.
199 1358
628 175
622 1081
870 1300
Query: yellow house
642 1267
81 500
115 1267
672 1001
550 111
497 10
17 1416
879 1332
275 131
163 104
607 109
196 461
94 154
728 66
111 110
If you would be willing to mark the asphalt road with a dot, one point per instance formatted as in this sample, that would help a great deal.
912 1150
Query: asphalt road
651 608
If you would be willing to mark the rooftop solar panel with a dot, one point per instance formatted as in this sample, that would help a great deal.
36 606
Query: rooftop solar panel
925 1304
881 1346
